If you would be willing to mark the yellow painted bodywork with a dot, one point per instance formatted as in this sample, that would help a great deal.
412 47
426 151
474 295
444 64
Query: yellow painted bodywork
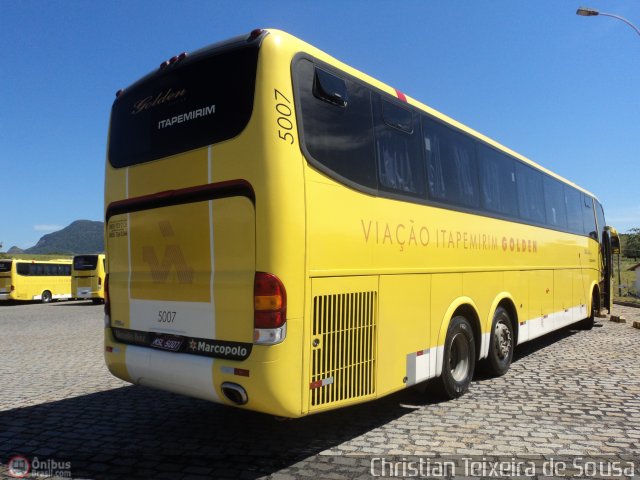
89 279
29 288
321 238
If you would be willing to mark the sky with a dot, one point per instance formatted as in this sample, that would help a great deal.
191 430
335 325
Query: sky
561 89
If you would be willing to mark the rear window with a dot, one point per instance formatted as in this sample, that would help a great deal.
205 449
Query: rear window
193 103
5 266
85 262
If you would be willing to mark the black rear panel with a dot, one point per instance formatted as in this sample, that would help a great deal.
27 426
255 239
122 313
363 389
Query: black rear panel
191 103
85 262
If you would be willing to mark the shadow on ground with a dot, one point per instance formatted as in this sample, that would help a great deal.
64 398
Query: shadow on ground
136 432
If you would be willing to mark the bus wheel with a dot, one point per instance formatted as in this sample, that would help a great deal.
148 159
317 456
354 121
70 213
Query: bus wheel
501 344
46 297
459 358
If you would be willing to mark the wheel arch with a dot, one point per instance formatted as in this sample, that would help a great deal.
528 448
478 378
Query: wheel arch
461 306
595 293
506 301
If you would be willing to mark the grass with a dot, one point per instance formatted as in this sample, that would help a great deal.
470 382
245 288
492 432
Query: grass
31 256
628 280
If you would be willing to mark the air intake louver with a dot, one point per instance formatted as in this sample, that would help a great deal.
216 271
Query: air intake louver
343 351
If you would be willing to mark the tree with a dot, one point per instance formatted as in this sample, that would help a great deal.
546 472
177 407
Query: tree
632 247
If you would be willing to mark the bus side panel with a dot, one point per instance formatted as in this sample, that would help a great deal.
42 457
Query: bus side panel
541 304
482 288
580 295
403 331
445 289
562 297
516 282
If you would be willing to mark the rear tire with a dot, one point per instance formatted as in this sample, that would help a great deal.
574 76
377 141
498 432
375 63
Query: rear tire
459 359
46 297
501 344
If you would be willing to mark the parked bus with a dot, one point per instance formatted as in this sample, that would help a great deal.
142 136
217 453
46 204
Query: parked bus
43 280
87 278
289 235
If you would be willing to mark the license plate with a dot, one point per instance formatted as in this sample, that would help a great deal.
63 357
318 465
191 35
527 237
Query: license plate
167 342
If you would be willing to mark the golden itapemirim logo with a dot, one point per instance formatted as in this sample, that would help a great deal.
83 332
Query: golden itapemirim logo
173 258
161 98
413 234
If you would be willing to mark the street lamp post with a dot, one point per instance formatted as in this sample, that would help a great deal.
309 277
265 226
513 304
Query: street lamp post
591 12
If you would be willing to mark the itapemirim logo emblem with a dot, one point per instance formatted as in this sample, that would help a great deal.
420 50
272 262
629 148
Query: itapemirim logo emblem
19 466
173 258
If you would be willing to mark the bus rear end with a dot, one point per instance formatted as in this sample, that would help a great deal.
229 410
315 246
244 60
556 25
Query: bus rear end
87 278
6 285
196 303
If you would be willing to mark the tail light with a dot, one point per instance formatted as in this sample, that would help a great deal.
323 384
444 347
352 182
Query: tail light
107 304
270 309
99 282
255 34
13 287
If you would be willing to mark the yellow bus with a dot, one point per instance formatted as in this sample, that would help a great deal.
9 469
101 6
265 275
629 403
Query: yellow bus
43 280
288 235
87 277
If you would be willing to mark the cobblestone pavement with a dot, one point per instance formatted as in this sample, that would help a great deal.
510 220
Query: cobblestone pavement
571 395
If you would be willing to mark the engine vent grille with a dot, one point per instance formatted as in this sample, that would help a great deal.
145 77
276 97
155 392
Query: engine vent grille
343 348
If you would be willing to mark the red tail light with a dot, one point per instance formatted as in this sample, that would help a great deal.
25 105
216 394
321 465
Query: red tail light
107 305
255 33
99 281
13 287
270 301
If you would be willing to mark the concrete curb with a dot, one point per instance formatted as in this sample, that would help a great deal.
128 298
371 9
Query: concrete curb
618 319
626 304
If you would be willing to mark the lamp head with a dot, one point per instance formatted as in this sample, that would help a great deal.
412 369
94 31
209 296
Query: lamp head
587 12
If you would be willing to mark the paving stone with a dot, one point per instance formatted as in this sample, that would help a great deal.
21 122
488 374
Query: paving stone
572 392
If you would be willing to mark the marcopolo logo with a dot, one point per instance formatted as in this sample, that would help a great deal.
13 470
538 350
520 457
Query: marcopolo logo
220 349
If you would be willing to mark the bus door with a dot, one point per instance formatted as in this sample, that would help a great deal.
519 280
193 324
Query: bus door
609 244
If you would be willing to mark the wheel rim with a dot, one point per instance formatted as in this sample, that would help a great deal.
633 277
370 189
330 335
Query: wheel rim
459 358
502 338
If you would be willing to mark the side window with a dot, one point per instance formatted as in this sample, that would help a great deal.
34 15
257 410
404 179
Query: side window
497 182
600 219
530 193
400 164
574 209
588 217
452 174
336 122
556 212
39 267
23 268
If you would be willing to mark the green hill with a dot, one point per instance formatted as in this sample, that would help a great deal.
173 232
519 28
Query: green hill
82 236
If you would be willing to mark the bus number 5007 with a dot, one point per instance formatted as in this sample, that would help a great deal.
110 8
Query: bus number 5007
284 112
165 316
